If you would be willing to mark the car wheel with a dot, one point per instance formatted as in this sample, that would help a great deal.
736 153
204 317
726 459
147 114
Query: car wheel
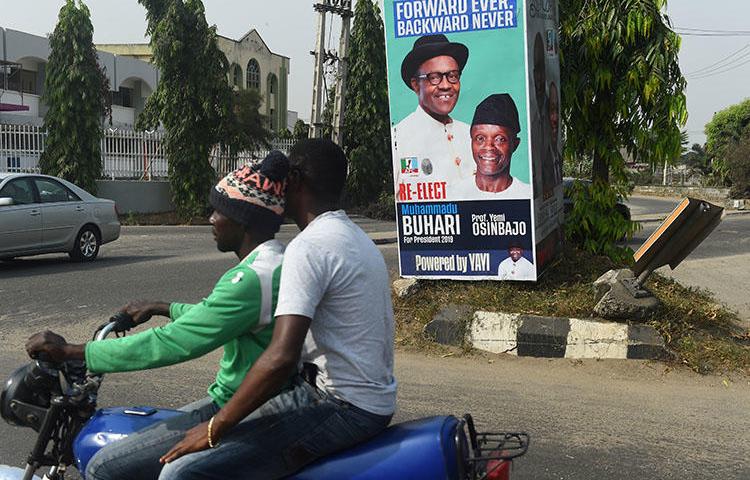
86 246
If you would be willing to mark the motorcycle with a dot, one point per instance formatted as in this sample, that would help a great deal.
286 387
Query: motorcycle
58 401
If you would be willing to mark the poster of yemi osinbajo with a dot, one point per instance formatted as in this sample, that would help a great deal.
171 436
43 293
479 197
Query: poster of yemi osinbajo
474 101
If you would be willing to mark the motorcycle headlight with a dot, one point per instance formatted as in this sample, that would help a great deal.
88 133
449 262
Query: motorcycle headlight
26 395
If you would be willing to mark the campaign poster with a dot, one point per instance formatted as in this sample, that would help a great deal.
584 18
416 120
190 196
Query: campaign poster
468 144
544 105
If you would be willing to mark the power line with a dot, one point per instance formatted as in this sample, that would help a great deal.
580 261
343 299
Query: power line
694 34
718 64
705 30
712 74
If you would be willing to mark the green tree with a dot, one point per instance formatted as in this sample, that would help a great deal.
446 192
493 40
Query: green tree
724 132
301 130
285 134
696 160
248 126
738 165
367 134
76 91
622 89
622 85
193 100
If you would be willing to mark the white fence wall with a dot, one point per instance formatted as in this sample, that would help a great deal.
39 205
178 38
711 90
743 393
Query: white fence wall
126 154
20 148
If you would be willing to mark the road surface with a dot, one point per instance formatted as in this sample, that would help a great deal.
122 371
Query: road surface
588 420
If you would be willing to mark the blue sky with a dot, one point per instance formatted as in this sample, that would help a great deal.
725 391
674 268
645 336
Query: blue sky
289 28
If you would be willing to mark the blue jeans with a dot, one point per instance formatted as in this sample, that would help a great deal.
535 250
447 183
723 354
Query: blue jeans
289 431
137 456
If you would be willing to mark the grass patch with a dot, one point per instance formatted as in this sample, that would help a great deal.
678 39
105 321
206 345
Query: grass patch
702 334
705 336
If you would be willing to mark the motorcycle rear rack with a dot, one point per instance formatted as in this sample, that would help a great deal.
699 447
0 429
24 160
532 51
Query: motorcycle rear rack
488 446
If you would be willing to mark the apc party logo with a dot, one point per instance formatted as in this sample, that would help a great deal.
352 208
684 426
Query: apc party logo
410 166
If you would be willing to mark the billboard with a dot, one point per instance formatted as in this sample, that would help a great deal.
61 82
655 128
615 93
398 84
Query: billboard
477 165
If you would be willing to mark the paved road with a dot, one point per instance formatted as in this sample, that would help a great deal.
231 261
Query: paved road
589 420
650 206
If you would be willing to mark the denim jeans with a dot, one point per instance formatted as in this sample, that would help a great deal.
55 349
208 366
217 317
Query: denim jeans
289 431
137 456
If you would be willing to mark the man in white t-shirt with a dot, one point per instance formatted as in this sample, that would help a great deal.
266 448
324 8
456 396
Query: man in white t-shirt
429 145
515 267
494 139
334 315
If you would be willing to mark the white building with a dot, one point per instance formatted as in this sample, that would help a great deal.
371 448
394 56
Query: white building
251 65
23 60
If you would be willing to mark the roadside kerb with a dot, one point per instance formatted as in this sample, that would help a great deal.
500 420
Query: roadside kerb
660 218
383 238
551 337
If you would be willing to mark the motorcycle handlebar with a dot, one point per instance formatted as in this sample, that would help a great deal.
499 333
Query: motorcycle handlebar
118 323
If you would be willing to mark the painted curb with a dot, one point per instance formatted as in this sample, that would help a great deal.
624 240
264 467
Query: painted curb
550 337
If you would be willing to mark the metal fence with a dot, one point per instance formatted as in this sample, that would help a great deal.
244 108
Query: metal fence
126 154
20 148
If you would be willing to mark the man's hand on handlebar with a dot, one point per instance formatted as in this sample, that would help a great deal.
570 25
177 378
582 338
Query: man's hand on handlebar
49 346
142 310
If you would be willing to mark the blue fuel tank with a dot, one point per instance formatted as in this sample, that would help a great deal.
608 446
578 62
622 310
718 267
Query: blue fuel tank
111 424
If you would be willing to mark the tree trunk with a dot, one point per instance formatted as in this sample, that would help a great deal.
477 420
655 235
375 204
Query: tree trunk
600 169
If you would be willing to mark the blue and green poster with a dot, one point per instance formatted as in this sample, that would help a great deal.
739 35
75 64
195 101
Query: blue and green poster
474 163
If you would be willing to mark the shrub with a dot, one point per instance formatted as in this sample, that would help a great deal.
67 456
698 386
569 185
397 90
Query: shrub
382 209
594 223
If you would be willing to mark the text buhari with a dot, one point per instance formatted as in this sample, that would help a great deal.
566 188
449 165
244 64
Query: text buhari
430 225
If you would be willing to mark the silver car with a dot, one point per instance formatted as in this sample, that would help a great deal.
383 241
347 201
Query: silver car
44 214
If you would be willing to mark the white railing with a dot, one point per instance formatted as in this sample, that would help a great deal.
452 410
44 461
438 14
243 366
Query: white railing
21 146
126 154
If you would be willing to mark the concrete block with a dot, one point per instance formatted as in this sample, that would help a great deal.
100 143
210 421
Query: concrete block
542 336
644 342
449 325
550 337
592 339
494 332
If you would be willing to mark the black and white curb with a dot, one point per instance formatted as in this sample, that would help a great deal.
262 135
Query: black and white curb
532 336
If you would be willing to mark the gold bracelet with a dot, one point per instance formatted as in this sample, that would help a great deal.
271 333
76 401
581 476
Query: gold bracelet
210 428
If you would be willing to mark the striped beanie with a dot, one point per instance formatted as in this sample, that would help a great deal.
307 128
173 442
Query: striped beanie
254 194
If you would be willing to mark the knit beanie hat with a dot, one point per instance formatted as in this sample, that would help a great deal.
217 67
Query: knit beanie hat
254 194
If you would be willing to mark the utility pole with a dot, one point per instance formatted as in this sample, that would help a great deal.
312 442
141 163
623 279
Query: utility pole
342 8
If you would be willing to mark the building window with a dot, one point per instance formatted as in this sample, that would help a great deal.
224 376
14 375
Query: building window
272 120
236 75
123 97
253 74
28 82
18 80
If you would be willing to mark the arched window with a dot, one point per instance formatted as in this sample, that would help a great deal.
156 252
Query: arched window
272 99
236 75
253 74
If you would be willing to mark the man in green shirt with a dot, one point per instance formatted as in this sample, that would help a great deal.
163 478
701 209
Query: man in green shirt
238 315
